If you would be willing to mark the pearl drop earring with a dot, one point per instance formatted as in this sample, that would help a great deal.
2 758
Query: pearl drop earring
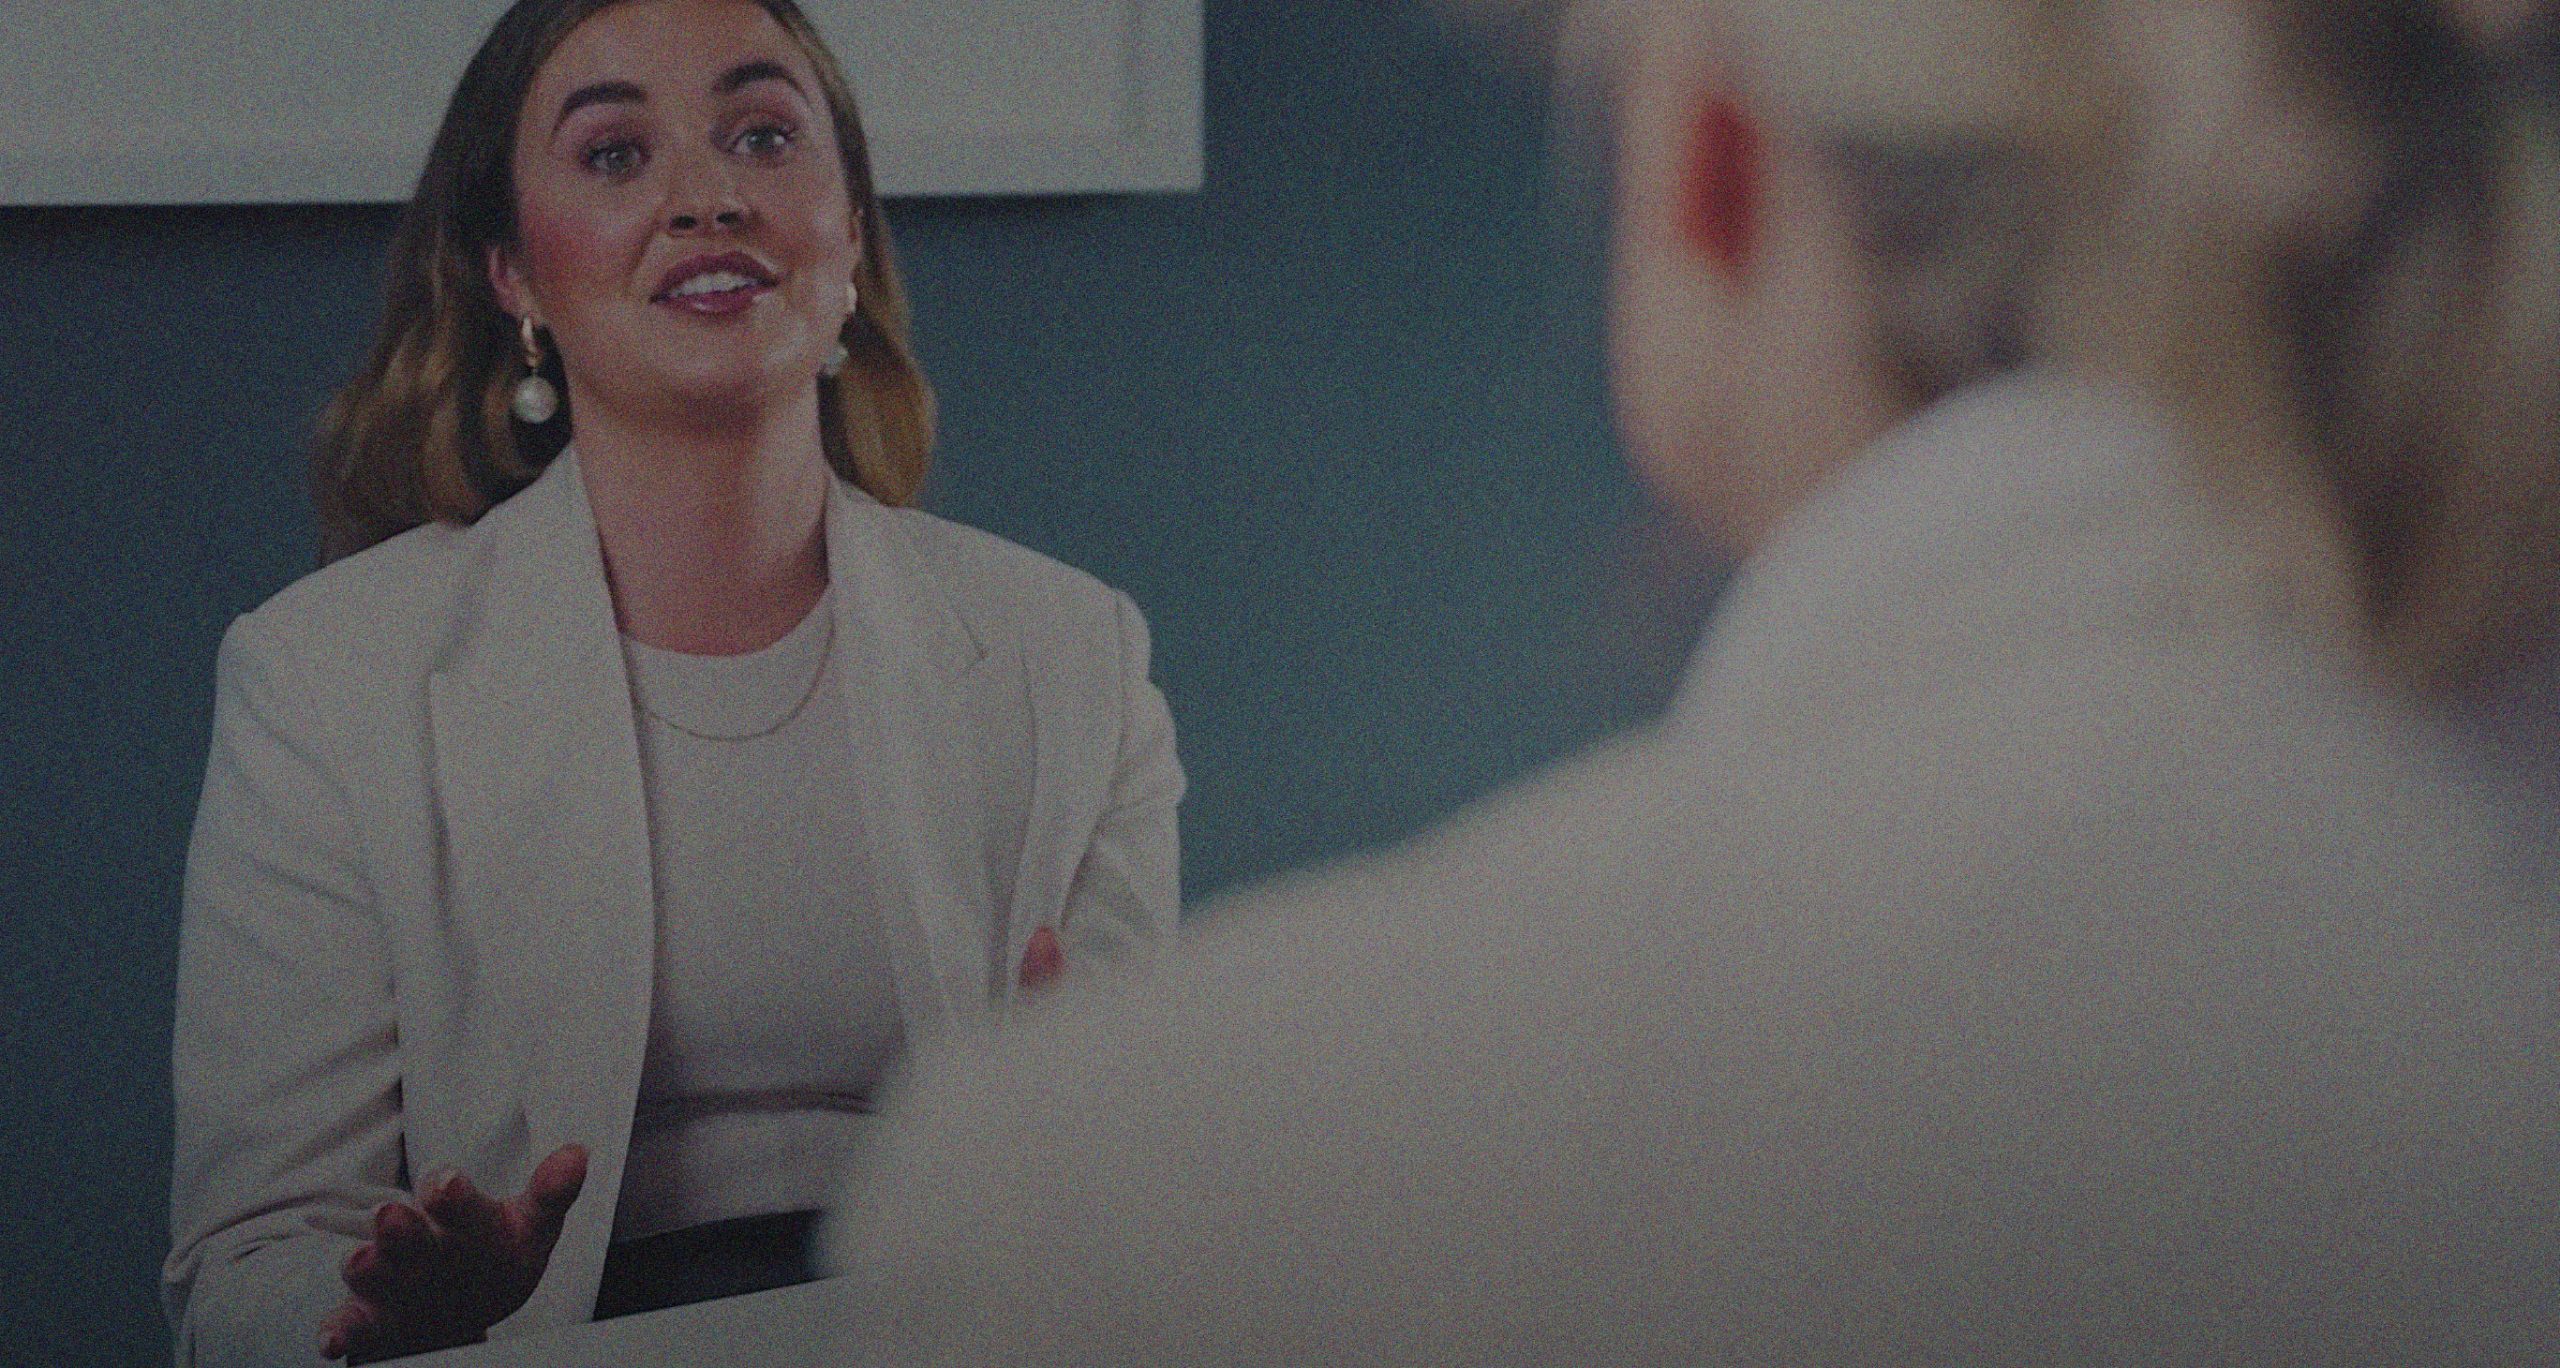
535 400
852 307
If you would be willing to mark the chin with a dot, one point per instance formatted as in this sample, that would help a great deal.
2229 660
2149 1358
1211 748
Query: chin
735 390
1661 438
1690 464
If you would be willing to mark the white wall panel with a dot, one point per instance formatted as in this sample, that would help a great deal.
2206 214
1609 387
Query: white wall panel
307 101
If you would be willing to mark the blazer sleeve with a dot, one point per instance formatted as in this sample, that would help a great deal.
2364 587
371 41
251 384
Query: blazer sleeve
1125 896
285 1059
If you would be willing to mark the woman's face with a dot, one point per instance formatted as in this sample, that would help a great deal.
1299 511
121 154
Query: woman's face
683 225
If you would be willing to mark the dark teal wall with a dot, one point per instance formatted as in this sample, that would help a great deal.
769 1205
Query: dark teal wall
1335 424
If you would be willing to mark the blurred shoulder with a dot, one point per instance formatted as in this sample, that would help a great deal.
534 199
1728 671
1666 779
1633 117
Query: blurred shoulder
1541 1050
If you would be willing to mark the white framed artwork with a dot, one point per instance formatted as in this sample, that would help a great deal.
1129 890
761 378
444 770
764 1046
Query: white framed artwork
334 101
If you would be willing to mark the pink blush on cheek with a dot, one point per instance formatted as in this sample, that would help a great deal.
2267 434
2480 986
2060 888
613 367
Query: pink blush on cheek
573 259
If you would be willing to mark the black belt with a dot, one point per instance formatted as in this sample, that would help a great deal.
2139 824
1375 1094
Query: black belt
699 1263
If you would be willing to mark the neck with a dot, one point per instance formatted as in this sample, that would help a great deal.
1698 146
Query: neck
714 537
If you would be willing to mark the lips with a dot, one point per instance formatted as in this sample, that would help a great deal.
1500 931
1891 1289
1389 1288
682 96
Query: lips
715 284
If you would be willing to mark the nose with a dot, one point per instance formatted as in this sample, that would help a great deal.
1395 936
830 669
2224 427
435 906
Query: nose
693 219
704 197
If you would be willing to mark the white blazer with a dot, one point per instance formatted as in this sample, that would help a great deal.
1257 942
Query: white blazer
2025 942
418 922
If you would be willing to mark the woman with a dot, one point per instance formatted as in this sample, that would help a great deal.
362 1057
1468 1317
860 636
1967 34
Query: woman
2089 903
640 778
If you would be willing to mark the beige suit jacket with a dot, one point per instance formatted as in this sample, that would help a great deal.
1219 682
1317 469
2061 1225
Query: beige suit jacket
418 916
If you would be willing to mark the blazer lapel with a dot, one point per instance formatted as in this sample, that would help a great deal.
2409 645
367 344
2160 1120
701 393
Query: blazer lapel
1071 767
537 771
919 795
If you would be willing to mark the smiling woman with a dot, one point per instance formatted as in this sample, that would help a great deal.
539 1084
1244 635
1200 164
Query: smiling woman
639 780
424 433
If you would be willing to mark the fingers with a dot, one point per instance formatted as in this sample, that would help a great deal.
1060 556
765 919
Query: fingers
458 1205
555 1185
350 1329
1043 959
403 1239
440 1271
403 1231
368 1273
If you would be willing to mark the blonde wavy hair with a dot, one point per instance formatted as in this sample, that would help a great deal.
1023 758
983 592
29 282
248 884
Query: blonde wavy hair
2362 327
2372 318
423 433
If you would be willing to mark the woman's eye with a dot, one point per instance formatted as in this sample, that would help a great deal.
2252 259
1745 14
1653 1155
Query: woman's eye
613 159
766 140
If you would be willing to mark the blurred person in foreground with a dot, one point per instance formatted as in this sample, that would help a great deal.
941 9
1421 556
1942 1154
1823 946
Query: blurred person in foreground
2092 900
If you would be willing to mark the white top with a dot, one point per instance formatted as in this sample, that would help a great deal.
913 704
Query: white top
2024 943
773 1013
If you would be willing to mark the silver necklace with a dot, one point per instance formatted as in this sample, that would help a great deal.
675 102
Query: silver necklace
826 652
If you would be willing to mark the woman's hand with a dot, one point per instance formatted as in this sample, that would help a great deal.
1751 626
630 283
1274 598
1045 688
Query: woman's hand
441 1272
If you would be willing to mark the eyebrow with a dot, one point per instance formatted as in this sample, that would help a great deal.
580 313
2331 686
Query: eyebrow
602 92
748 73
736 78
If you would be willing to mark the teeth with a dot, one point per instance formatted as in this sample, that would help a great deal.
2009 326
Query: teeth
712 282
